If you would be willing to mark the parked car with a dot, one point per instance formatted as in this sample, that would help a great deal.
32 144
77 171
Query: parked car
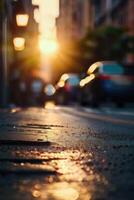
107 81
67 89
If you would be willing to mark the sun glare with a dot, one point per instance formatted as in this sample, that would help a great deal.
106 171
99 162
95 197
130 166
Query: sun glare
48 47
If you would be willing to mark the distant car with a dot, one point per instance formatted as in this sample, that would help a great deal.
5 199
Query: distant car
36 94
67 89
107 81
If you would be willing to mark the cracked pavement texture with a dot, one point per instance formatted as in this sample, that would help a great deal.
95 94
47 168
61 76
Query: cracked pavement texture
66 154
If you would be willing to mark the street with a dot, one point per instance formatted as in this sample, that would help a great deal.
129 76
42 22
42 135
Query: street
67 100
66 153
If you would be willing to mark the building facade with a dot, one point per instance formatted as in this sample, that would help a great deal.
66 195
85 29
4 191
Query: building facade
28 58
75 17
114 12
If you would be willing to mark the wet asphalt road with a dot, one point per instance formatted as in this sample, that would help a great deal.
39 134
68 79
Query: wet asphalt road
67 153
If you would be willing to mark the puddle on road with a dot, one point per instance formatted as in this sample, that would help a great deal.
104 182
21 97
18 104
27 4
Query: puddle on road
61 191
27 189
60 174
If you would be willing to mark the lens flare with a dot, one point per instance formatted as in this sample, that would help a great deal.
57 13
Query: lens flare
48 47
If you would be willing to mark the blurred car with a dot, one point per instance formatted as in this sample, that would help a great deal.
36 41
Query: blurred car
67 89
107 80
35 90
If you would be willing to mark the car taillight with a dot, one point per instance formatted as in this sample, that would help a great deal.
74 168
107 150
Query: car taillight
68 87
104 77
131 78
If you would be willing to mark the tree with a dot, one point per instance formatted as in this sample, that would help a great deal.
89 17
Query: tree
105 43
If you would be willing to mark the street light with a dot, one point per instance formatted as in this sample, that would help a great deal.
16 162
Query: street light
22 19
19 43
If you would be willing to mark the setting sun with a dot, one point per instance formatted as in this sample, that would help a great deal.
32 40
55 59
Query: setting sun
48 46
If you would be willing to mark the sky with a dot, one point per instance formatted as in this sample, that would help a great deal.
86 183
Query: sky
48 12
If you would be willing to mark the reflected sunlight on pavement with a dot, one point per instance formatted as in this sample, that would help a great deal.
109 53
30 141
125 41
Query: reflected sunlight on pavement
50 105
61 191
